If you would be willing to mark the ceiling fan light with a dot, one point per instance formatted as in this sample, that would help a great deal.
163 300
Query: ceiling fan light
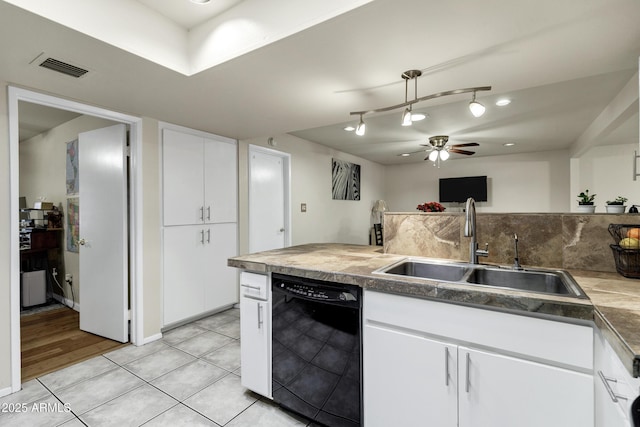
360 129
433 156
406 117
416 117
444 155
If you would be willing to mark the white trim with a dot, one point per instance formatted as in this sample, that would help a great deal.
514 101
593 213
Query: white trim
195 132
286 159
16 94
6 391
152 338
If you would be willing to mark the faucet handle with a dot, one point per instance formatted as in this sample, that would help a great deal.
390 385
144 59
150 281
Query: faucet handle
483 252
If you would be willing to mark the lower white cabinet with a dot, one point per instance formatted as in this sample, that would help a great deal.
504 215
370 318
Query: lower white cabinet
414 374
615 388
255 332
196 278
408 380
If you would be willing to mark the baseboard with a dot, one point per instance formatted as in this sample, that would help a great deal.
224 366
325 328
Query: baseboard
67 302
152 338
5 391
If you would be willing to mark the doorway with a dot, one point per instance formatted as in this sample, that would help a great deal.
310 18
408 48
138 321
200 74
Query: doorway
17 95
269 199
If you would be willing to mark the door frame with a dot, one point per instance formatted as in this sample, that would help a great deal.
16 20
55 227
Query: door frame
16 94
286 165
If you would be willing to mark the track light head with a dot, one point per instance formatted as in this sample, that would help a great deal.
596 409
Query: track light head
406 117
475 107
360 129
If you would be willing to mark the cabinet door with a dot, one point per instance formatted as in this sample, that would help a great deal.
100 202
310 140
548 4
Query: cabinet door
184 264
221 181
502 391
182 178
220 281
255 344
408 380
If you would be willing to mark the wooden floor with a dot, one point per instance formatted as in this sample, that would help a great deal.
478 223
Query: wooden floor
52 340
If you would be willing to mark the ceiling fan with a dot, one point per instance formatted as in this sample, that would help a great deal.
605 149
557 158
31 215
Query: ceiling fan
439 150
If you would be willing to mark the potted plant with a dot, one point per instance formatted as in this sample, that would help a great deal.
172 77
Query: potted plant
585 202
617 205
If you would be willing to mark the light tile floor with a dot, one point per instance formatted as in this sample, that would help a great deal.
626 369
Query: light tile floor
189 378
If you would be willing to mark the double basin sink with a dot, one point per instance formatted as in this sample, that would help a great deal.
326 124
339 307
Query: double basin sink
553 282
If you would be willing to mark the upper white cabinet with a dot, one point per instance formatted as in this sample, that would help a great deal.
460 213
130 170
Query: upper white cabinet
199 179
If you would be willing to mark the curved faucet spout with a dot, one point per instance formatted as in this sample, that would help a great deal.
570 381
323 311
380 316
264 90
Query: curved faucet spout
470 219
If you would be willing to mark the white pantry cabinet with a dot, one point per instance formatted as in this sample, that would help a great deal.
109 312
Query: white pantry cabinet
433 363
200 176
196 276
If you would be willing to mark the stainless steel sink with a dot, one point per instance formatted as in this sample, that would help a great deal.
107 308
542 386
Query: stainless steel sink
543 281
428 270
554 282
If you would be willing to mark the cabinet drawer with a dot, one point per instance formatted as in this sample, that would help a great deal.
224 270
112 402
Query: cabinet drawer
548 340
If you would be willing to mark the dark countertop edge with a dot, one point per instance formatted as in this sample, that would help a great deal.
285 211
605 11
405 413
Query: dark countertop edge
580 310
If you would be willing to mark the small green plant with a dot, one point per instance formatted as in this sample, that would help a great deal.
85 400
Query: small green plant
618 201
584 198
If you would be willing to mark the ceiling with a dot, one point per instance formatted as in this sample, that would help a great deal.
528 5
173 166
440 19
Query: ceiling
561 63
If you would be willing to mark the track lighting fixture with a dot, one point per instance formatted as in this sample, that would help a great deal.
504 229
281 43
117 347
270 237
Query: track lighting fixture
408 117
475 107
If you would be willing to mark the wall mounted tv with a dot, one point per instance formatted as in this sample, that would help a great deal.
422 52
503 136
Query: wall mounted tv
460 189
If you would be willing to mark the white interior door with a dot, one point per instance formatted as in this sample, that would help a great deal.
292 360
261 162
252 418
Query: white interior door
267 219
103 232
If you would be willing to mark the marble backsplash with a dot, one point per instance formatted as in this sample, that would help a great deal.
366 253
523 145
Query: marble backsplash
553 240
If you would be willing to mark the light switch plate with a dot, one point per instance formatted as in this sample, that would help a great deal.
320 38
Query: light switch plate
303 207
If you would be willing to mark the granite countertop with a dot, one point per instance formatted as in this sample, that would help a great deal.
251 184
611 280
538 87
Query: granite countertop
613 302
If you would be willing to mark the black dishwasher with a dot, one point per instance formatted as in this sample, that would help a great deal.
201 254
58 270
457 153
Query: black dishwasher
317 349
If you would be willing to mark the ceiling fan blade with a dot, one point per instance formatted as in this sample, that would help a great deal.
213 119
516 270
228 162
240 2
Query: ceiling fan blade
455 150
468 144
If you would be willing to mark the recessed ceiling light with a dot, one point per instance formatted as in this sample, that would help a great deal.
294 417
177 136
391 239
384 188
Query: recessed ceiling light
416 117
349 128
404 155
509 144
502 102
200 1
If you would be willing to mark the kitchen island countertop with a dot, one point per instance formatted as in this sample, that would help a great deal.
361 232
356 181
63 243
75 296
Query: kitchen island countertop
613 302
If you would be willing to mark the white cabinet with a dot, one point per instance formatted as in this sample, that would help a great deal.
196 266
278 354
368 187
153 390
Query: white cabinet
502 391
615 388
255 332
199 179
409 380
199 176
196 276
436 364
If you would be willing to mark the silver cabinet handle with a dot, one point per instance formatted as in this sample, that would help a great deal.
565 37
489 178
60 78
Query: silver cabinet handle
259 316
258 288
612 394
208 235
202 236
446 366
208 213
467 379
202 213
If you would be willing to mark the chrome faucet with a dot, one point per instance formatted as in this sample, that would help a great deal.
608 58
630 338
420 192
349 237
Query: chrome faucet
516 259
470 231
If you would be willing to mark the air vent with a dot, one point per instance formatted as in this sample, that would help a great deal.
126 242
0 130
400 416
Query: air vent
63 67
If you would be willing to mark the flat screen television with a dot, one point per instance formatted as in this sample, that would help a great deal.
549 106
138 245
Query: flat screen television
460 189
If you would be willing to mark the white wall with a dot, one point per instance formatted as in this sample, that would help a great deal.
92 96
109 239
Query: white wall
533 182
326 220
607 172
